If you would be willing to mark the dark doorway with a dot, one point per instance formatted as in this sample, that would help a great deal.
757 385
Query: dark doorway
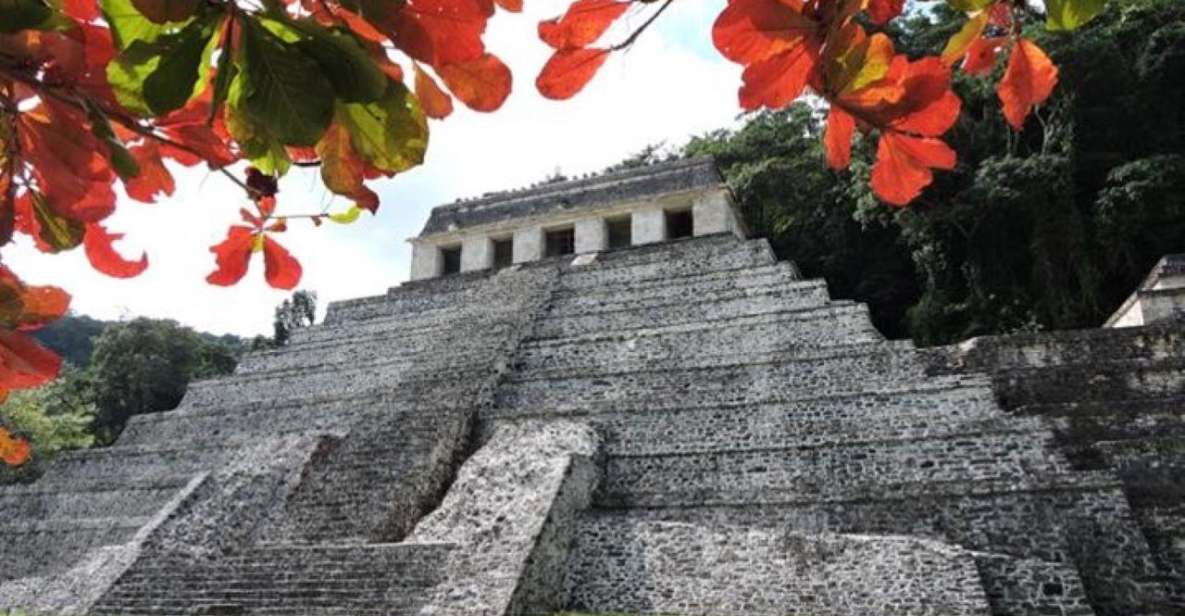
679 224
621 232
452 260
561 242
503 253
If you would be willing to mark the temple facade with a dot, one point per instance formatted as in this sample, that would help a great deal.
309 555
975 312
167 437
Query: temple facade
600 395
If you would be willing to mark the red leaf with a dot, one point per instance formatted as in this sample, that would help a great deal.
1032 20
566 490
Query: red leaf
881 11
903 166
232 256
281 269
440 32
342 170
583 24
24 363
749 31
14 451
28 308
514 6
82 10
154 179
104 257
838 138
435 103
482 84
981 56
568 71
1028 81
778 80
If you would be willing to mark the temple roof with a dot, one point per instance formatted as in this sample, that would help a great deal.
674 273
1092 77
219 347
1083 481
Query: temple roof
628 185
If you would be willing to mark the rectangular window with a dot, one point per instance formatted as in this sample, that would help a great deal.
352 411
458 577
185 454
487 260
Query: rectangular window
621 232
679 224
503 253
561 242
451 257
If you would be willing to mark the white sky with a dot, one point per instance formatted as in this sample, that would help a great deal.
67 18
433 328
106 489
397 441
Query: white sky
670 86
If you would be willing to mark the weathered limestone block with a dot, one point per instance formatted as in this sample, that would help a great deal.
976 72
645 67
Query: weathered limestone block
426 261
591 235
623 564
648 226
510 514
477 253
528 244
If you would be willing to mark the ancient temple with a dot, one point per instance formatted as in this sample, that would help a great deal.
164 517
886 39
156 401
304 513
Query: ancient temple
599 395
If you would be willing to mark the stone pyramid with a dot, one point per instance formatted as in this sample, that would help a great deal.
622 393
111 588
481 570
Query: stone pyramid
679 427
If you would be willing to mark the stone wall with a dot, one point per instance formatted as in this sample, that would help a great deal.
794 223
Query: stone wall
511 513
1113 398
626 564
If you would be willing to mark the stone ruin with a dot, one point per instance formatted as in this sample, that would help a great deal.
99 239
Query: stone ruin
628 408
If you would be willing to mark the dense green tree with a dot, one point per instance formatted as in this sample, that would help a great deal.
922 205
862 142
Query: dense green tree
145 365
296 312
1046 229
53 418
72 337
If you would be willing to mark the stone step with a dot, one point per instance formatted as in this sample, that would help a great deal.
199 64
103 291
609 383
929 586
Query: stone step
68 502
922 412
707 343
817 470
878 494
907 508
559 324
291 580
607 272
1066 348
691 288
141 465
386 354
121 526
357 381
1103 380
1032 586
248 421
409 299
644 566
481 310
790 378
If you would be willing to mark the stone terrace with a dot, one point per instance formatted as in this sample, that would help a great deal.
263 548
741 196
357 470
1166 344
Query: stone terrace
680 428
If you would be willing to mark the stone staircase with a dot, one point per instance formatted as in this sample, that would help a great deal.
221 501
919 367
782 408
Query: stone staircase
346 580
682 428
728 391
1115 399
315 459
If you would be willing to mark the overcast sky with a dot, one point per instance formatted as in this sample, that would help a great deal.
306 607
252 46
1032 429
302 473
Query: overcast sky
670 86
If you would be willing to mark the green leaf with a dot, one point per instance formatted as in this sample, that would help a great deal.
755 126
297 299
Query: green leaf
154 78
183 70
390 133
17 15
355 76
121 160
349 216
257 145
283 89
970 6
129 25
222 80
1071 14
55 231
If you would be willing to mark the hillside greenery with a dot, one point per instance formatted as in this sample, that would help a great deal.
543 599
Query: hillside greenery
1048 229
118 369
